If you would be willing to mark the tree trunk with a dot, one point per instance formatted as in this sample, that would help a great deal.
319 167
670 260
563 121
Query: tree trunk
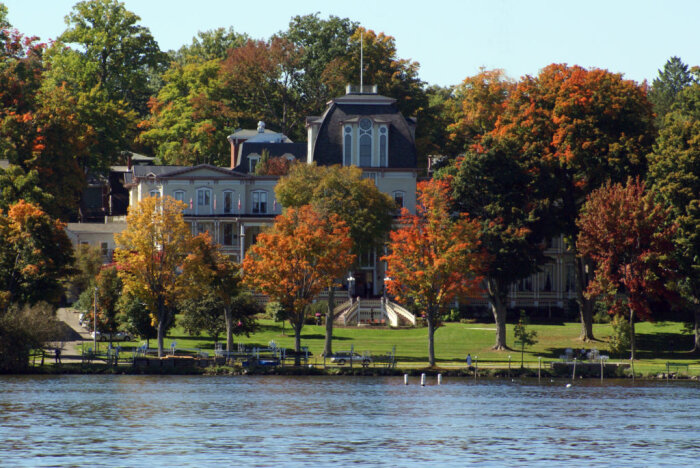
585 306
161 320
696 347
431 338
228 315
632 335
497 303
328 347
298 325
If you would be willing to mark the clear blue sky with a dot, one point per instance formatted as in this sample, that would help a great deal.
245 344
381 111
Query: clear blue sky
450 39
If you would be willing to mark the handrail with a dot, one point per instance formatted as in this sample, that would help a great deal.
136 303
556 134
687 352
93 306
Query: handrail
351 312
401 311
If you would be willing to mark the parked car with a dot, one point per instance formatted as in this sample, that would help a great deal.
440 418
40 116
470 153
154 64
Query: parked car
344 358
116 336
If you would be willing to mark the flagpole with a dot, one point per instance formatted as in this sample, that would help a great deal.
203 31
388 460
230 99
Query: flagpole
362 41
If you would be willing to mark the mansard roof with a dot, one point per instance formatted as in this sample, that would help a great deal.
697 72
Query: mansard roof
298 150
328 146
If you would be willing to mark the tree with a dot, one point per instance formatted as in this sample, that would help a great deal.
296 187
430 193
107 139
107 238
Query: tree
151 253
213 44
301 255
674 77
23 328
321 41
577 128
433 258
118 53
35 253
109 290
393 76
16 184
523 336
498 191
202 313
136 317
86 266
630 238
263 78
356 201
477 104
674 172
214 273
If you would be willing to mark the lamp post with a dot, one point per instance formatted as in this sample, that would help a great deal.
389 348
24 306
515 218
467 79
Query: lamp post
386 280
350 280
94 323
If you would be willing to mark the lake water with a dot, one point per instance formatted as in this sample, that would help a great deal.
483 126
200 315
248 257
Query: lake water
321 421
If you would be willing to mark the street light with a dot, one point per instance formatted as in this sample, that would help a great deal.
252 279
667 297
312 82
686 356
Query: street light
350 280
386 280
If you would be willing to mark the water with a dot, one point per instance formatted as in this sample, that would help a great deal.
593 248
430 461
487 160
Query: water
340 421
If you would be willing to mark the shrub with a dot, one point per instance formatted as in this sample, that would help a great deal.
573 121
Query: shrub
620 338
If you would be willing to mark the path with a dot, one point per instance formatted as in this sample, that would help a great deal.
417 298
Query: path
73 337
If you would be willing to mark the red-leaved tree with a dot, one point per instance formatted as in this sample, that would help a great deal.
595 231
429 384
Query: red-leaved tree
434 258
629 237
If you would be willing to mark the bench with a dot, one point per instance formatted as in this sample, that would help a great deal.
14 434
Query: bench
677 366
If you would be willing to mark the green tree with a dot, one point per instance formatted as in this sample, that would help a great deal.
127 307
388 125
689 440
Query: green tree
117 52
23 328
136 317
672 79
523 336
341 191
498 191
213 44
202 313
674 171
16 184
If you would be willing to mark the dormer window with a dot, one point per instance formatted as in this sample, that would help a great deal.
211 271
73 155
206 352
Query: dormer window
252 162
347 146
383 146
365 143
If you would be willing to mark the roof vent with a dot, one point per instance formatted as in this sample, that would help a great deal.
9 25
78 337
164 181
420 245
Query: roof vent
261 127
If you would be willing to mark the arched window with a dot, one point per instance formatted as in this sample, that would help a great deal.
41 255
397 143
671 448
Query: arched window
155 193
383 146
259 202
365 143
228 201
252 162
347 146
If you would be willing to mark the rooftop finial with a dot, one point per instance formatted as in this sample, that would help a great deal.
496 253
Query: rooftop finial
261 127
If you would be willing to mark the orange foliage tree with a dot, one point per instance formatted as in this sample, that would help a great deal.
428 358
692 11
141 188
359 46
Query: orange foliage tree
434 258
630 239
577 128
293 262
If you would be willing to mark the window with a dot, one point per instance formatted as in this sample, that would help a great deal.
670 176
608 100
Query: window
252 162
367 259
383 147
203 197
179 195
398 198
155 193
259 202
228 202
546 284
365 143
347 146
525 284
104 248
370 175
570 278
229 234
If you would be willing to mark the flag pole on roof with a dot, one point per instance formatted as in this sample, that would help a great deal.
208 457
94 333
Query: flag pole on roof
362 41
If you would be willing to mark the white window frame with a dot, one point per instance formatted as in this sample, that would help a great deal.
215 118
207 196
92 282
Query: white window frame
259 201
365 133
384 146
347 148
179 195
154 193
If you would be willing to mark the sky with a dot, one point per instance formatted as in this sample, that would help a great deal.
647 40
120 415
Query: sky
450 39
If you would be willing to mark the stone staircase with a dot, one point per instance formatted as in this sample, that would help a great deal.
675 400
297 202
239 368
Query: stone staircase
372 312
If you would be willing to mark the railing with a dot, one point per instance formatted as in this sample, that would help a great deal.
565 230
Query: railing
351 314
340 308
400 311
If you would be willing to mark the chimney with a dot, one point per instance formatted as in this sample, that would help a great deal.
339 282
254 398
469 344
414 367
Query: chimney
261 127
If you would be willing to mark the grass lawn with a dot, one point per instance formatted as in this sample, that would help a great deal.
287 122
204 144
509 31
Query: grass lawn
657 343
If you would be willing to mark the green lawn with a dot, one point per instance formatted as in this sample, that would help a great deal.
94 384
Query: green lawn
657 343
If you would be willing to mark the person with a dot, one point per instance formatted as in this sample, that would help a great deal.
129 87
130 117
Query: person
469 360
58 355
